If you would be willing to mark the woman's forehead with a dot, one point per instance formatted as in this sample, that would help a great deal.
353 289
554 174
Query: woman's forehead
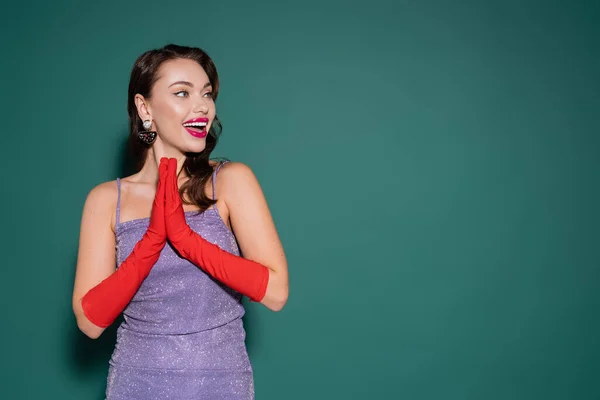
181 70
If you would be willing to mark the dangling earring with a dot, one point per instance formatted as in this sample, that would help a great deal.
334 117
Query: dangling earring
147 136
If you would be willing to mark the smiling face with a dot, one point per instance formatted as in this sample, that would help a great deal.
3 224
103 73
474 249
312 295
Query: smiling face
181 105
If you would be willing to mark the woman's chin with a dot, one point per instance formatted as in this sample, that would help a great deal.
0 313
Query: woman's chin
197 147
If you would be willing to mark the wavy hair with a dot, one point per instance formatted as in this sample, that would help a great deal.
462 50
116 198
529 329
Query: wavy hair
143 77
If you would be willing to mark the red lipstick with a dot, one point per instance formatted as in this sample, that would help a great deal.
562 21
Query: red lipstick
196 127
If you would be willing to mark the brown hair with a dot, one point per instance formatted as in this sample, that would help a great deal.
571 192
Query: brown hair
143 77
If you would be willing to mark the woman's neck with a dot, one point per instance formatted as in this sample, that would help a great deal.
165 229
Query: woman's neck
149 171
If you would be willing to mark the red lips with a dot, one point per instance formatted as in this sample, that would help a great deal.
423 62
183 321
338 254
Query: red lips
199 132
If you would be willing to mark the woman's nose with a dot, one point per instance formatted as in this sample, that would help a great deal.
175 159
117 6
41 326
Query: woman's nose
201 106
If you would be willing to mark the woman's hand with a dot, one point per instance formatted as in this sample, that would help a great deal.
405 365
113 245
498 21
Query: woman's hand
176 225
157 230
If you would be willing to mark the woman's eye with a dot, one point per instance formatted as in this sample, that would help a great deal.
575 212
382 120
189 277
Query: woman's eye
181 91
209 94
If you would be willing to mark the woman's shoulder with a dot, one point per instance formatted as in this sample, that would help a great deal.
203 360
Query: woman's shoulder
236 181
232 170
105 191
101 200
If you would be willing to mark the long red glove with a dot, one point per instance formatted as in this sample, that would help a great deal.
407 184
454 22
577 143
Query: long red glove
245 276
104 302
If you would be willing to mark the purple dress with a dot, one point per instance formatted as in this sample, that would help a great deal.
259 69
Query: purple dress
182 336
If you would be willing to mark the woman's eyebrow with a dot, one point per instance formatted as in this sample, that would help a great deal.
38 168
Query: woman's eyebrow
190 84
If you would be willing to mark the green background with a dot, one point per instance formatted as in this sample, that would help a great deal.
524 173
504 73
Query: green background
432 168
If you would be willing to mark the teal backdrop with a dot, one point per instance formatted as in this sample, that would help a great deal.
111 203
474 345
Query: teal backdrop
433 169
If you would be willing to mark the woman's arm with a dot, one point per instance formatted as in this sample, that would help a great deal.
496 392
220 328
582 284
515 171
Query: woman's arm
111 290
254 228
96 255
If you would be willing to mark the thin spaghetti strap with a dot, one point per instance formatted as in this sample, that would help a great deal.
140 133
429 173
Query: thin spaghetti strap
118 203
214 177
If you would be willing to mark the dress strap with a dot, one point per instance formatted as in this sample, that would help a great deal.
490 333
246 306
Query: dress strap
214 176
118 203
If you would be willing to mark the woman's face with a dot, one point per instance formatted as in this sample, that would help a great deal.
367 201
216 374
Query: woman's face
181 105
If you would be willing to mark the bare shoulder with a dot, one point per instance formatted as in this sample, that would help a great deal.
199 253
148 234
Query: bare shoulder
238 184
234 172
233 176
101 201
103 194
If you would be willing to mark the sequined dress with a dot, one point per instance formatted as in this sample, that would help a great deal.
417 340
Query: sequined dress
182 336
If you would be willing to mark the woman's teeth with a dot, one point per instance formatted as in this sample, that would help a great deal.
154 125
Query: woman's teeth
196 129
197 125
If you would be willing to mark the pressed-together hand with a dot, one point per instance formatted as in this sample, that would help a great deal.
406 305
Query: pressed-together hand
157 230
176 226
104 302
246 276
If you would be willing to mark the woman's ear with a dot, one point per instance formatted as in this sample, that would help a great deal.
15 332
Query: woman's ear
143 107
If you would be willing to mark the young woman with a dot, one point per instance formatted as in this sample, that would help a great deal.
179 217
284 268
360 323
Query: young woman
178 277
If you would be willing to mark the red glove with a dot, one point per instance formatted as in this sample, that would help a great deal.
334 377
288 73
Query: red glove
245 276
104 302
